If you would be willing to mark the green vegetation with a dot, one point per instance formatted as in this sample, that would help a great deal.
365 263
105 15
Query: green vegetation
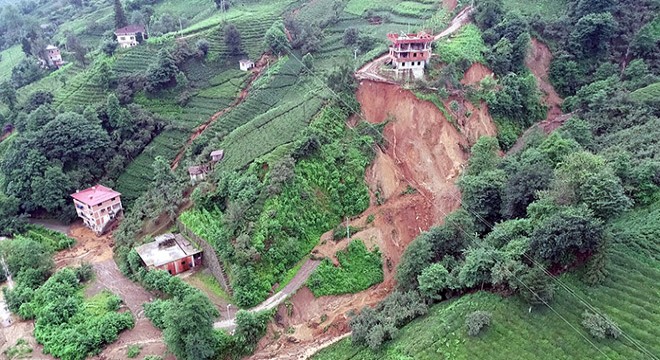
20 350
358 269
53 240
133 351
330 154
184 305
626 296
8 59
648 94
466 45
547 9
66 324
211 284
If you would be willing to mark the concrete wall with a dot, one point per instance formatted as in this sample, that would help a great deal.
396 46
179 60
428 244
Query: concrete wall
210 258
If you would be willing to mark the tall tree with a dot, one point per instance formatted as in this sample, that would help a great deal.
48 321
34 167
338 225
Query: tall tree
120 16
275 39
189 330
8 94
232 39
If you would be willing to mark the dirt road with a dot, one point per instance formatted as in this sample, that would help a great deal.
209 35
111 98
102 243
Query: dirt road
144 334
296 283
370 70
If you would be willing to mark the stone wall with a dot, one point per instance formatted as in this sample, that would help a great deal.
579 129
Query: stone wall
210 258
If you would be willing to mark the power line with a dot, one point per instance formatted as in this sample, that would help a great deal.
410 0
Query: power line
481 219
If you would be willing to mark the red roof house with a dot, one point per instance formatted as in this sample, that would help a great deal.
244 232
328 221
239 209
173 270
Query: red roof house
97 206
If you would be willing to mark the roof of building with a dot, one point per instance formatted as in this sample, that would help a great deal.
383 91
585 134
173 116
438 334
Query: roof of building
130 29
421 36
218 153
245 61
197 170
95 195
52 47
166 249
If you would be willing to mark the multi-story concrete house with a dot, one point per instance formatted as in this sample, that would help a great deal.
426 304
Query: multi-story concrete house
97 206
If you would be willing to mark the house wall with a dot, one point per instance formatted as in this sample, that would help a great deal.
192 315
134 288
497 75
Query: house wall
181 265
97 216
210 257
128 40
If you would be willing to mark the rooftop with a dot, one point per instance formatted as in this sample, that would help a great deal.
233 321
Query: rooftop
246 61
218 154
51 47
166 249
130 29
95 195
199 169
421 36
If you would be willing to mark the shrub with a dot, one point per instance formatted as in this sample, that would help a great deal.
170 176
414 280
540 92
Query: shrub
133 351
477 321
373 327
203 46
85 272
360 268
600 326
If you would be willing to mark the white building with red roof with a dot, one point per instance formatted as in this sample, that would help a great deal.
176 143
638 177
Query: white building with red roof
97 206
131 35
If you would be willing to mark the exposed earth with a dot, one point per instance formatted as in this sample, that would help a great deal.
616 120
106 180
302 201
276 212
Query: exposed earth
97 251
424 152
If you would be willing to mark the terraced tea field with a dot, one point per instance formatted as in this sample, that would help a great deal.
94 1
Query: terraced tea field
629 296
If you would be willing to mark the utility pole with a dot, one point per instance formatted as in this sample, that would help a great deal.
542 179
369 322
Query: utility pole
355 51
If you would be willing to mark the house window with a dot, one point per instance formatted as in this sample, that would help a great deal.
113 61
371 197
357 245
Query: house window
122 38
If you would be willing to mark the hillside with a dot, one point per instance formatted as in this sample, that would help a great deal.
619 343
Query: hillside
628 295
495 197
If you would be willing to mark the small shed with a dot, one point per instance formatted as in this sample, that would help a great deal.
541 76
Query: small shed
246 64
198 172
217 155
170 252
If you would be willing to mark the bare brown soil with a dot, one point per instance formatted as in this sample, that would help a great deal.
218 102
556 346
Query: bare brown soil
256 71
424 152
450 5
475 73
538 61
97 250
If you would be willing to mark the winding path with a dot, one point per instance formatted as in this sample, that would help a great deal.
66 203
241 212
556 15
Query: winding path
296 283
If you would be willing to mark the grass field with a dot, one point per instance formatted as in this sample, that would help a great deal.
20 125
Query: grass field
649 93
466 44
359 269
629 296
8 59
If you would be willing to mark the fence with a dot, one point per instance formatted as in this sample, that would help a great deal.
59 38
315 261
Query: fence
210 258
